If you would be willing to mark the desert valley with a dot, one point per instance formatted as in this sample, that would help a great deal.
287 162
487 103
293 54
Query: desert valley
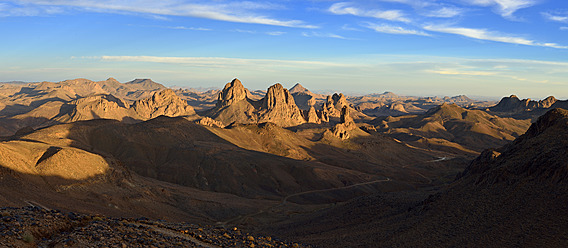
103 163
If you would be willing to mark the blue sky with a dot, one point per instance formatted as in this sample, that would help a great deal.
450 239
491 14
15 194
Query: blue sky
432 47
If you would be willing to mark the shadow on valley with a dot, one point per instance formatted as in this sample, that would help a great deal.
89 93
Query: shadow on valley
174 169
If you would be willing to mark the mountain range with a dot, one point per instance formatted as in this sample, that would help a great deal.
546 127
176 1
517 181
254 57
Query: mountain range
313 169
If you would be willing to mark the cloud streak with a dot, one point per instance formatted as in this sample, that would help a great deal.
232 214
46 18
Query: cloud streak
555 18
220 61
390 29
345 8
483 34
324 35
505 8
240 12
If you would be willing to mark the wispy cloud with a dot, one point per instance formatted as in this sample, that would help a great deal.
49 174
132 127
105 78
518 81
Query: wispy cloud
349 28
219 61
185 28
275 33
444 12
244 31
564 28
483 34
555 17
458 72
324 35
505 8
7 10
389 29
241 12
345 8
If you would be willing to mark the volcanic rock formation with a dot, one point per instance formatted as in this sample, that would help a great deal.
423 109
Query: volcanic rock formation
278 106
346 124
165 102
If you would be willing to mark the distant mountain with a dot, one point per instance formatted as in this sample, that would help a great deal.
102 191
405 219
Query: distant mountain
526 108
298 88
144 84
470 129
386 94
304 98
98 106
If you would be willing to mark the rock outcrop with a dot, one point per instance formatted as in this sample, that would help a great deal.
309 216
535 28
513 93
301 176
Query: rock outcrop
102 106
206 121
278 106
233 105
234 91
346 124
312 116
165 102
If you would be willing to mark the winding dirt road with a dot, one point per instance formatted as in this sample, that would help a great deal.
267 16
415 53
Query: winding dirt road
284 199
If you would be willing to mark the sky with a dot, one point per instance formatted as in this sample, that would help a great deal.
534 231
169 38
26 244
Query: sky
490 48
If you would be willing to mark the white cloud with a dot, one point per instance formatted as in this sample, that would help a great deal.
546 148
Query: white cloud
244 31
220 61
242 12
275 33
563 28
26 10
323 35
483 34
458 72
188 28
555 18
444 12
389 29
349 28
345 8
505 8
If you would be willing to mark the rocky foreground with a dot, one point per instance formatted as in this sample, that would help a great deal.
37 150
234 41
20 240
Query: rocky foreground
39 227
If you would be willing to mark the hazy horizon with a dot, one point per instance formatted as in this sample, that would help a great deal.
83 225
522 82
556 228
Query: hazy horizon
489 48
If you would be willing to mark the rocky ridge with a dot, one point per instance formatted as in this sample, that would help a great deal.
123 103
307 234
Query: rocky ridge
35 226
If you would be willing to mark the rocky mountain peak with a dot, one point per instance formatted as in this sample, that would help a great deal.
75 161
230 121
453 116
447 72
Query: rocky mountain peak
312 116
345 117
278 106
277 95
233 91
547 102
298 88
346 124
556 118
164 102
339 100
144 84
538 154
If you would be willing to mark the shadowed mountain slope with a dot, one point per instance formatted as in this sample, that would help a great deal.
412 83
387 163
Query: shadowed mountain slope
470 129
513 197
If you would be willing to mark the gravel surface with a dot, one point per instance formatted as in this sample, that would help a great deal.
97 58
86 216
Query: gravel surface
38 227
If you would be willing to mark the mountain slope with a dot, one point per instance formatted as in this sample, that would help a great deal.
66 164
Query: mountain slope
472 129
513 197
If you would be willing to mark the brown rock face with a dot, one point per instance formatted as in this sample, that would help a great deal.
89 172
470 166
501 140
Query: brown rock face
103 106
312 116
165 102
234 91
278 106
210 122
346 124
